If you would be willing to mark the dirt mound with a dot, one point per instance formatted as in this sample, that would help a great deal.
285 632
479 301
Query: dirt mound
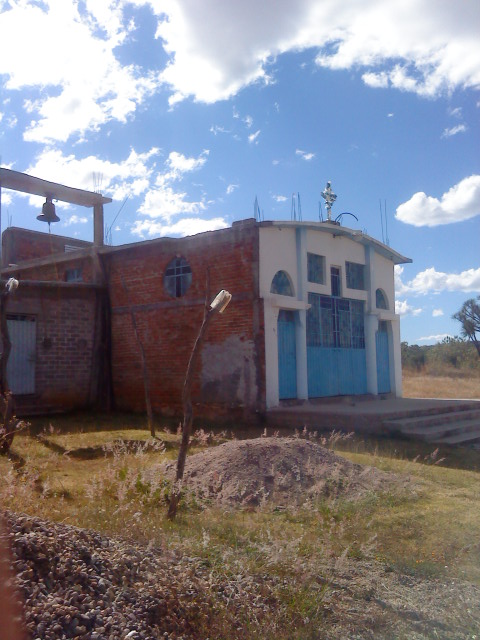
284 471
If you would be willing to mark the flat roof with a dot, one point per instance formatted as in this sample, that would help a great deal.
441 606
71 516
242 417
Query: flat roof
337 230
25 183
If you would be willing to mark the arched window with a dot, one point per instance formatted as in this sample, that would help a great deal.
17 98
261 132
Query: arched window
178 277
282 284
381 299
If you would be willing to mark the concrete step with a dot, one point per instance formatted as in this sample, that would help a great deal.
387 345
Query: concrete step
423 423
450 427
441 431
461 438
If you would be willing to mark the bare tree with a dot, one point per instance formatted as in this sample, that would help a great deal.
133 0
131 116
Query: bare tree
469 318
218 306
146 379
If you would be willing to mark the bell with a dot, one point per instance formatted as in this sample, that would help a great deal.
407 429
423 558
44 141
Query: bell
48 212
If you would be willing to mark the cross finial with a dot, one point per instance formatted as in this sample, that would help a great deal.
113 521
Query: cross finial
329 197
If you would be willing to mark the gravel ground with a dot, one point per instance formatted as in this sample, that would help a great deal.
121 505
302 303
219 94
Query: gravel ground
79 584
76 583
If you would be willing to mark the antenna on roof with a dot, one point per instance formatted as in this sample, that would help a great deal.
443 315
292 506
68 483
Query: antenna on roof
387 239
383 214
296 212
257 214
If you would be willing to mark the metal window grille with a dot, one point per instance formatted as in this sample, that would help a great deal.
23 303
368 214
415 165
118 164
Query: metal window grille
178 277
335 322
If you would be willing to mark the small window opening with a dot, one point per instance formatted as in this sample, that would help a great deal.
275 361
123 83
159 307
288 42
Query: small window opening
73 275
178 277
381 299
281 284
336 281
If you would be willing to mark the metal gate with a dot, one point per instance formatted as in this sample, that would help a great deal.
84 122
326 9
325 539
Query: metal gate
383 362
21 363
287 355
336 358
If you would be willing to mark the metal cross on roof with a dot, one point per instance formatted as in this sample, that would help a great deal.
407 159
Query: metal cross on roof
329 197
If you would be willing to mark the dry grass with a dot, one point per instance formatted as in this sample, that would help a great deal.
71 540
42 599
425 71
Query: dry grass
429 534
422 385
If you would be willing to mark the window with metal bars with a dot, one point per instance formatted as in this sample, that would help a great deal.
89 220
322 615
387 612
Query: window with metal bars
335 322
178 277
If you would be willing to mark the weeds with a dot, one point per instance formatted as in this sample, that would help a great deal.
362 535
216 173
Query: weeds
271 570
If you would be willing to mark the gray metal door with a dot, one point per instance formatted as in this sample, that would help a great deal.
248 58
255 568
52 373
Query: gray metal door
21 363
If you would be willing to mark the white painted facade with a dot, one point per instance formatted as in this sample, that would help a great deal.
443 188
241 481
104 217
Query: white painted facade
283 246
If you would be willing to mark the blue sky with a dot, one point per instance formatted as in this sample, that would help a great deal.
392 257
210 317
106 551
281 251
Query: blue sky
185 111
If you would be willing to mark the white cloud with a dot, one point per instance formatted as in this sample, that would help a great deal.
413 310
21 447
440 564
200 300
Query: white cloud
432 281
436 313
402 45
231 188
184 227
253 137
436 338
305 155
137 175
280 198
75 220
118 179
455 112
67 56
459 128
403 308
461 202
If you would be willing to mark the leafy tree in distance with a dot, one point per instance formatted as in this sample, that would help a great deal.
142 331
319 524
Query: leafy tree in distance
469 318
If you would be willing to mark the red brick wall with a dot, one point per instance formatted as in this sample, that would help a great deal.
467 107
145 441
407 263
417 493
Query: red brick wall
23 244
230 380
64 342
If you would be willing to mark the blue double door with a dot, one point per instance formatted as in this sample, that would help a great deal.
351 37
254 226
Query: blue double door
336 357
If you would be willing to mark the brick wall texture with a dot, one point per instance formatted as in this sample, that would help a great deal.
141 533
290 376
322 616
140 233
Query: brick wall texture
64 321
230 380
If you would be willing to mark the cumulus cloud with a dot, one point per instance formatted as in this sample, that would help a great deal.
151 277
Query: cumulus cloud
138 175
400 45
461 202
184 227
436 313
68 55
217 48
253 137
75 220
432 281
231 188
403 308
